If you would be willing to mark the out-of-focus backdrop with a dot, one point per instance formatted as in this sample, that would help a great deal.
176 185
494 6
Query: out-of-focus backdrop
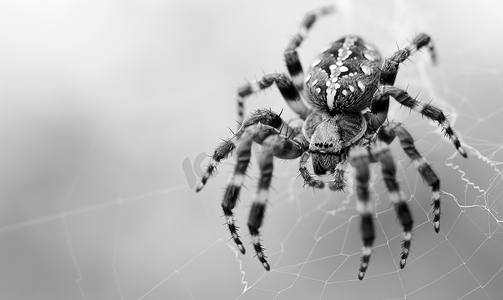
108 108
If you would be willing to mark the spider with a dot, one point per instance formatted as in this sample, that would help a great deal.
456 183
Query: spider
348 87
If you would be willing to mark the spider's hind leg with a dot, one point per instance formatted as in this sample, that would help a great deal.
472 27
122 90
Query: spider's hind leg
291 56
391 64
291 89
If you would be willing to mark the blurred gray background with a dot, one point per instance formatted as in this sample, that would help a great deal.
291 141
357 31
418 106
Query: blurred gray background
108 107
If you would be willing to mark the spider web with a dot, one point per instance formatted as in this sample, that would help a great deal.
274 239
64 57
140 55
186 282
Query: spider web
107 107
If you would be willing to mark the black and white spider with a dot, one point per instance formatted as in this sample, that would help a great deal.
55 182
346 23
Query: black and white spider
348 86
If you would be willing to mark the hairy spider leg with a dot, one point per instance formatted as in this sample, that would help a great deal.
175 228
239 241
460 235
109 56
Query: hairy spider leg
391 64
285 86
407 142
427 110
381 152
243 152
283 148
292 58
222 151
256 128
360 160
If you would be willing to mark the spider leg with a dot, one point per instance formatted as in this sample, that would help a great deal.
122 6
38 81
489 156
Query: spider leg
259 133
222 152
281 147
381 152
379 111
243 152
422 166
427 110
291 56
390 66
285 86
360 160
306 175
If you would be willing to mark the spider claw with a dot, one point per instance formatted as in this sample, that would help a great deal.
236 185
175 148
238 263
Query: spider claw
364 262
241 248
405 249
361 275
199 186
403 261
462 151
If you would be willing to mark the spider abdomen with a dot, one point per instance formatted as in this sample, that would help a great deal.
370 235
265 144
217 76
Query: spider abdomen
344 76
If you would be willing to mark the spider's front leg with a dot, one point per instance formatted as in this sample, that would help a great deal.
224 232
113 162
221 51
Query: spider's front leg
360 158
391 64
267 128
387 133
256 127
222 151
284 148
380 152
255 133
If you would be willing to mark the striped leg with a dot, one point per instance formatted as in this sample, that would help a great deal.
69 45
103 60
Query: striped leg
390 67
222 152
281 147
427 173
360 160
285 86
236 179
427 110
380 151
291 56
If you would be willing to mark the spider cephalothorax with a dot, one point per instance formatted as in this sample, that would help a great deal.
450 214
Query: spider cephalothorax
330 135
348 86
